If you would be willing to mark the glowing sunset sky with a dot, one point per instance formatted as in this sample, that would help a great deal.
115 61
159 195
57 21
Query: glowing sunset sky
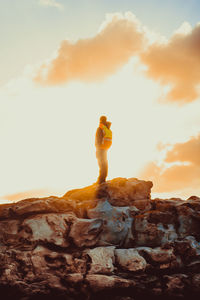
65 63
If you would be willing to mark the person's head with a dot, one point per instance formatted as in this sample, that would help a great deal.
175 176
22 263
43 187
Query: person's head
108 124
103 119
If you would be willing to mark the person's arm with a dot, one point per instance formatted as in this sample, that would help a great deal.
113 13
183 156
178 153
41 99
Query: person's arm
99 137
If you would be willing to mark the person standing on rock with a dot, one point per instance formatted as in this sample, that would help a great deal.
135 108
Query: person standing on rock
103 141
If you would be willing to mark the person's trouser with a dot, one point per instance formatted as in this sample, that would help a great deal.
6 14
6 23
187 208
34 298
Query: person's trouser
101 155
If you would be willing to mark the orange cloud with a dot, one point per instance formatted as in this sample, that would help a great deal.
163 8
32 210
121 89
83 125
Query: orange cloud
186 152
24 195
176 63
94 58
182 172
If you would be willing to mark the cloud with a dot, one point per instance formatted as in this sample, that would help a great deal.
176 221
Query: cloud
174 63
185 152
180 168
119 38
51 3
25 195
177 63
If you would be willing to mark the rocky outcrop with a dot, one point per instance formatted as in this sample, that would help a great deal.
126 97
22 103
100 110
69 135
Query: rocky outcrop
101 241
119 192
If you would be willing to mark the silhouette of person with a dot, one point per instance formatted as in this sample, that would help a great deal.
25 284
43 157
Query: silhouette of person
103 141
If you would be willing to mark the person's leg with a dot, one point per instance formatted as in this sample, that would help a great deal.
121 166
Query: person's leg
99 155
103 164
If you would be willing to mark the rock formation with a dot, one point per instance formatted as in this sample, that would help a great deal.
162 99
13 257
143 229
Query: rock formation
98 242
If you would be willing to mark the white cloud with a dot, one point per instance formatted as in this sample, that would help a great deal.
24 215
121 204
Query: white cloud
184 29
52 3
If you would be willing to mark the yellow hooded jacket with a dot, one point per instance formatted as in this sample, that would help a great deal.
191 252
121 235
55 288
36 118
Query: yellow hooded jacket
107 137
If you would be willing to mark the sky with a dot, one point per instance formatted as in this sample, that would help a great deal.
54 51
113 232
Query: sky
65 63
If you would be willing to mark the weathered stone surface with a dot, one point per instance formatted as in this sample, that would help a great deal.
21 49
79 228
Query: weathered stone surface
166 205
152 233
158 255
123 192
48 228
143 204
160 258
102 260
98 242
85 233
117 222
175 284
188 249
9 232
35 205
189 224
130 260
102 282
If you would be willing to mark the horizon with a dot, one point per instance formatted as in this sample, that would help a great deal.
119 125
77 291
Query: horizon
64 65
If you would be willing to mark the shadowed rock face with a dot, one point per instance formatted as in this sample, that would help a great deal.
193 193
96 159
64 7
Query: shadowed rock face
100 242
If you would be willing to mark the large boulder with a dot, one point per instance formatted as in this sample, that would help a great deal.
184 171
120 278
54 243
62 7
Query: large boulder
119 192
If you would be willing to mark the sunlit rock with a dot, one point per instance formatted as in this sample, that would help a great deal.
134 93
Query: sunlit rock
119 192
